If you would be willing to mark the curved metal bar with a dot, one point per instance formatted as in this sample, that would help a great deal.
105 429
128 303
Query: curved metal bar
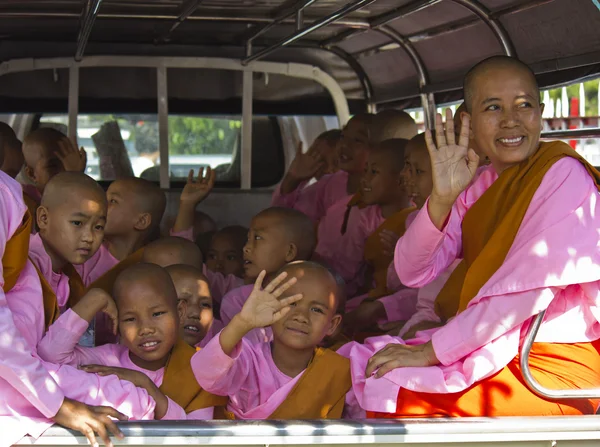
426 99
361 74
339 14
533 384
494 24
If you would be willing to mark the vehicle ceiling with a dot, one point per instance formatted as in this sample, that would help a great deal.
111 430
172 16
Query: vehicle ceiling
560 39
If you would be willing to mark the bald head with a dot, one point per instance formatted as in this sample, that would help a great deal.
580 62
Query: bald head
316 272
145 277
147 198
41 142
393 124
66 185
491 64
173 250
298 227
184 270
393 151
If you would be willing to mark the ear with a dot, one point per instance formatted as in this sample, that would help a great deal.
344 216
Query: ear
143 223
334 324
42 217
29 172
292 253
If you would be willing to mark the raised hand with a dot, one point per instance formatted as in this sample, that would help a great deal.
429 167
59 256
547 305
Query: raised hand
90 421
453 164
196 191
263 307
306 166
72 158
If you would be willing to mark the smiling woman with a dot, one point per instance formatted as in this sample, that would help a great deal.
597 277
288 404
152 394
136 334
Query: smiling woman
495 216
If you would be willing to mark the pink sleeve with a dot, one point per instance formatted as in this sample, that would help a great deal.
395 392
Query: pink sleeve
555 247
308 199
174 412
18 367
220 374
352 409
220 285
424 251
484 322
204 414
184 234
400 305
59 345
393 282
232 304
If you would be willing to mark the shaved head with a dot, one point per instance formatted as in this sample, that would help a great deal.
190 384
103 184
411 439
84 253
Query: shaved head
146 276
184 270
489 65
41 142
394 152
72 184
148 197
298 227
393 124
317 272
173 250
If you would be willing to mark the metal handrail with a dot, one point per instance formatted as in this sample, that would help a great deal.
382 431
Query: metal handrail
533 384
574 134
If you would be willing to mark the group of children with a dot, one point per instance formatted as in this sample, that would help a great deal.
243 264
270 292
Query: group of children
102 317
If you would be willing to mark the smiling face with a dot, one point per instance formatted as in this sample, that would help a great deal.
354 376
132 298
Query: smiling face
315 316
354 145
194 296
382 182
506 113
148 317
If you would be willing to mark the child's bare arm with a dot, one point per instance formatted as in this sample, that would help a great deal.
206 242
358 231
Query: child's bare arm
263 308
94 301
193 193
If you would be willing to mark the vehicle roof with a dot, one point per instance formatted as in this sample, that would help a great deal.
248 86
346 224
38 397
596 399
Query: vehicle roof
560 39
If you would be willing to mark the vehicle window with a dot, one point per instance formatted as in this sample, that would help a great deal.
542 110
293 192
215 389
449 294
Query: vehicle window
118 145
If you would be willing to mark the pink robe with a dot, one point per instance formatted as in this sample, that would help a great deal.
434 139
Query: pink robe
345 252
31 390
553 264
232 305
314 200
216 327
254 384
59 346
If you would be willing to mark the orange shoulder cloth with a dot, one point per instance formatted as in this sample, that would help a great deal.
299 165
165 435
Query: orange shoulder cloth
374 251
491 224
180 385
16 253
319 394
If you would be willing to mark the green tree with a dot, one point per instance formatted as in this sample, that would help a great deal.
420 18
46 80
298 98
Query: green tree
190 135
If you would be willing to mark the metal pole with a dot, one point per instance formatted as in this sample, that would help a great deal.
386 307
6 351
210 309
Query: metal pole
88 17
313 27
187 9
299 20
427 100
246 155
73 101
574 134
163 126
533 384
484 14
281 19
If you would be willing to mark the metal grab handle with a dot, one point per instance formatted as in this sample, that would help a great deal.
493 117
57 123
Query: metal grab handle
532 384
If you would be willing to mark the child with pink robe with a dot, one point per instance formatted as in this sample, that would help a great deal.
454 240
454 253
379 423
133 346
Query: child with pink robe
30 392
260 378
277 236
140 292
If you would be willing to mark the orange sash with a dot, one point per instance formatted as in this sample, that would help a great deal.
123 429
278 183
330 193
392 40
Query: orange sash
180 385
16 253
374 251
491 224
321 391
32 206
